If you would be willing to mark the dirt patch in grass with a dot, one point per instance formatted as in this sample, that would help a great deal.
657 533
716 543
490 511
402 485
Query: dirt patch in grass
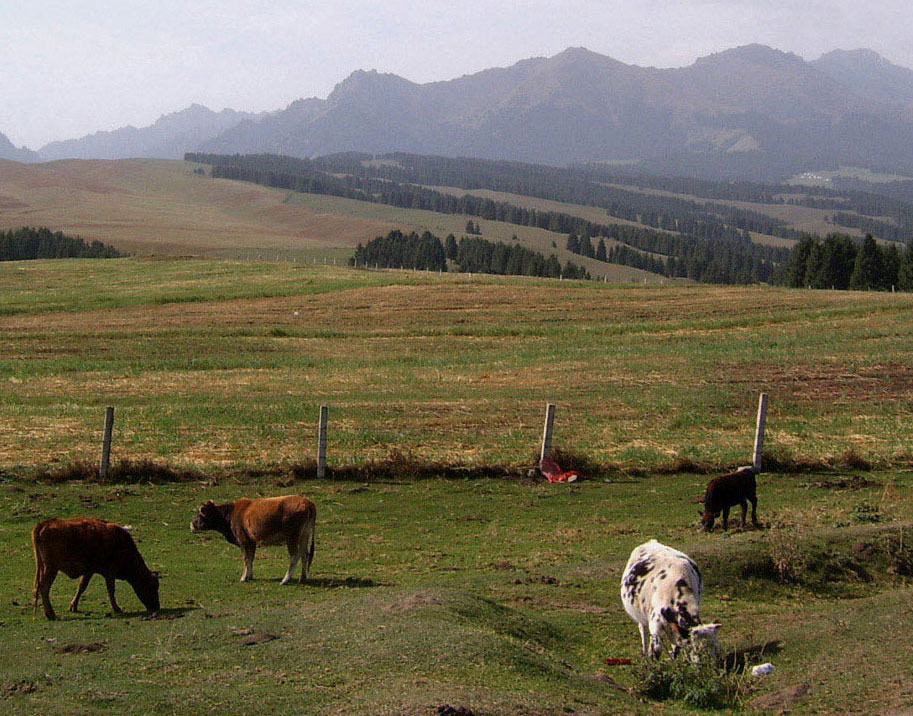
448 710
890 381
19 687
853 482
258 637
91 648
781 700
413 601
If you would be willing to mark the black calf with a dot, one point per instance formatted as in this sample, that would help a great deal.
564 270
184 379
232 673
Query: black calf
736 488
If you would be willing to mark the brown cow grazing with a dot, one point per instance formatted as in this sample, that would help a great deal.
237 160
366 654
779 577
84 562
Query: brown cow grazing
83 546
288 520
736 488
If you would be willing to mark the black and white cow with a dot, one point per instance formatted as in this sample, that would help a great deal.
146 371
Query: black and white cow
661 590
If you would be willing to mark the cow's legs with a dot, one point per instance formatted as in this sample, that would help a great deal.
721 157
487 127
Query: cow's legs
294 553
83 583
726 518
249 551
109 583
754 511
744 505
644 639
306 550
44 590
656 636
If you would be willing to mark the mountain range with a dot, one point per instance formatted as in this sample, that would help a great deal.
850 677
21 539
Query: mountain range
750 112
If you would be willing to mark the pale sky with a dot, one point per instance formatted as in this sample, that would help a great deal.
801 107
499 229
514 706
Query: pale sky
69 68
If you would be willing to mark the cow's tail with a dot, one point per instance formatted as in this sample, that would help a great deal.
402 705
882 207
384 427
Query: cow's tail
313 524
39 566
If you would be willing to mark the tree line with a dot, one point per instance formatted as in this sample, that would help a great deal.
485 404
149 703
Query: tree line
720 254
838 262
471 254
42 243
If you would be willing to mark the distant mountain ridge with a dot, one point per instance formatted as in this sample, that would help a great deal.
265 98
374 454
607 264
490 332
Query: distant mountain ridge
168 138
749 112
8 150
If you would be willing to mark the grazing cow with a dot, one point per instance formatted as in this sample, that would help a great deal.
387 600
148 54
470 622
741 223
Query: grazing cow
736 488
288 520
661 590
83 546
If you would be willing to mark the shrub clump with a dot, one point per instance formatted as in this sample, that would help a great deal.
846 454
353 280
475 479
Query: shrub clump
121 472
701 683
866 513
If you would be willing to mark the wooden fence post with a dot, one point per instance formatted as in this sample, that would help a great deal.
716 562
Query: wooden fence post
547 431
322 443
106 443
759 432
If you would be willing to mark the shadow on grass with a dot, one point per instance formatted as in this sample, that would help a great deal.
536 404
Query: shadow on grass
343 582
738 660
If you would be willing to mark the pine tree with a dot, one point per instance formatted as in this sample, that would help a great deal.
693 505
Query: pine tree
600 250
552 268
867 270
573 244
905 273
890 270
838 256
586 247
450 247
798 260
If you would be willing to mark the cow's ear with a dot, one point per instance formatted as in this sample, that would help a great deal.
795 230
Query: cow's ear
668 614
209 503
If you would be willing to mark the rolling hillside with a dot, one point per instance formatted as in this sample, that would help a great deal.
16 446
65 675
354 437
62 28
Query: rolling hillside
160 206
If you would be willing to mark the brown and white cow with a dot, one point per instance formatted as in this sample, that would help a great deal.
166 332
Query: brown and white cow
288 520
661 590
83 546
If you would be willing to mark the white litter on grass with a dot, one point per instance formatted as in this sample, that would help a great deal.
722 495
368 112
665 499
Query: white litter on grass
762 669
295 313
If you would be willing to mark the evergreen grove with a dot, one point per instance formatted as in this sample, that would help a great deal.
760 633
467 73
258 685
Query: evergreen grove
839 262
25 243
701 250
475 255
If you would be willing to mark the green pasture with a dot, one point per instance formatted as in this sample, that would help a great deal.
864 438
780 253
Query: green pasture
500 595
491 594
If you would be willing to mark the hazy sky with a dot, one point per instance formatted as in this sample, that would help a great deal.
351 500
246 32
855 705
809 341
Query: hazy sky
69 68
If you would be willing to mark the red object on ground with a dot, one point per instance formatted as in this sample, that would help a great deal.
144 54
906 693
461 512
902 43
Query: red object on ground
554 473
618 661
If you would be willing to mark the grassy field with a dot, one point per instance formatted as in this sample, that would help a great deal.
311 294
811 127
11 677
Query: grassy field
224 364
497 594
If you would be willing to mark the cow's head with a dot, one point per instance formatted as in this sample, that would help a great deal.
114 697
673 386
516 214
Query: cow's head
209 517
707 519
705 642
147 589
